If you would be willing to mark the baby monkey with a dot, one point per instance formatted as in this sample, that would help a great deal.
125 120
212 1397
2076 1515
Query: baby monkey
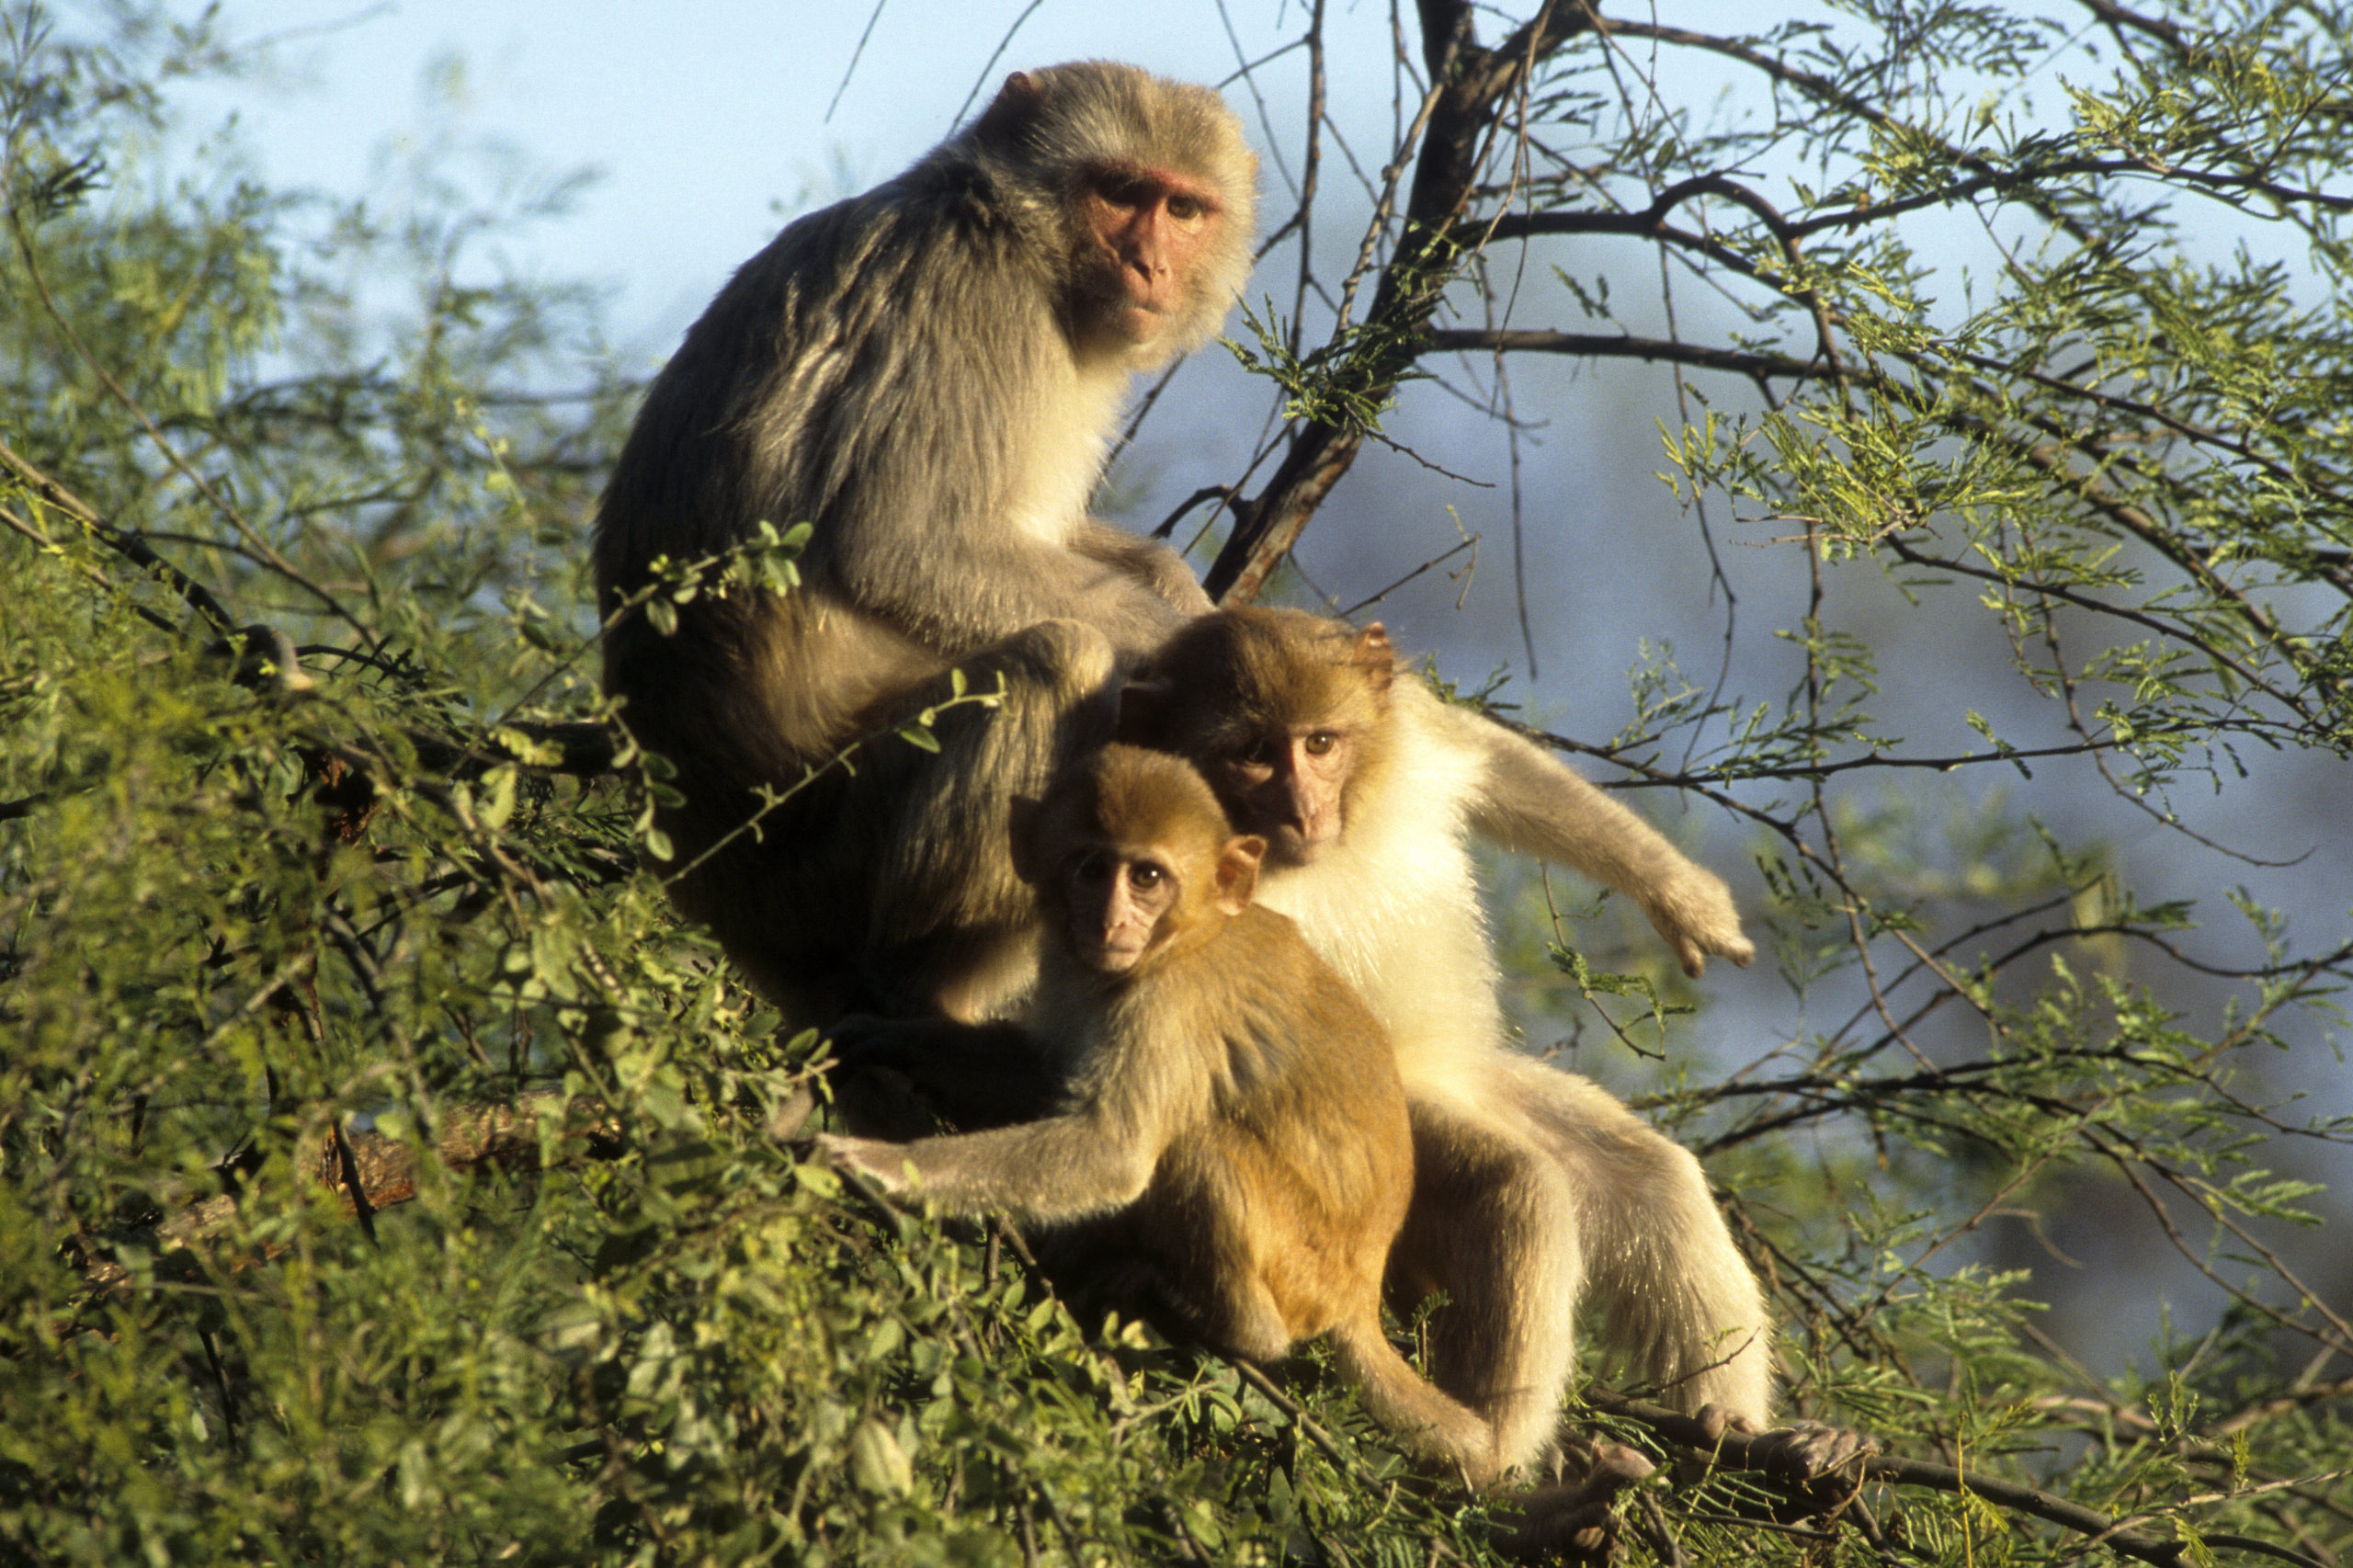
1233 1128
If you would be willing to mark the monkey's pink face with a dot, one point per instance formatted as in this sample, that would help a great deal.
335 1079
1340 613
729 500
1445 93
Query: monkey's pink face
1290 788
1117 902
1150 229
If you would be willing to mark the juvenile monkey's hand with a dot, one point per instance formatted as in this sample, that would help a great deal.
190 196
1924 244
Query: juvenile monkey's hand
1694 912
884 1165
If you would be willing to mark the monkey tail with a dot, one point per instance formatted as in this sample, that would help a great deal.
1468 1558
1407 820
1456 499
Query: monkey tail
1425 1418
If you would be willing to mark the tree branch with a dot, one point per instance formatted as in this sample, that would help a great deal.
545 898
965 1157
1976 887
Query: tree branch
1471 82
1759 1453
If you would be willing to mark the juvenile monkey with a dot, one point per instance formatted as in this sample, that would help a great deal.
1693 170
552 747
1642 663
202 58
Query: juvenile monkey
1231 1119
1535 1190
929 374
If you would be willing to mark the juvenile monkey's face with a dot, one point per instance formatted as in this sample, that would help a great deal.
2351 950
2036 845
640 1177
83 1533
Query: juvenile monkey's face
1143 235
1116 901
1290 787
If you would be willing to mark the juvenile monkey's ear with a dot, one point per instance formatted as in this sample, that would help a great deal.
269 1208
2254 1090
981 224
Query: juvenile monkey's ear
1011 111
1144 710
1375 657
1024 812
1237 872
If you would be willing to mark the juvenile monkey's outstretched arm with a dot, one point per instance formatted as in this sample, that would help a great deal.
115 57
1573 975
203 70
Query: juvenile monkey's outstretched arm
1527 802
1123 1109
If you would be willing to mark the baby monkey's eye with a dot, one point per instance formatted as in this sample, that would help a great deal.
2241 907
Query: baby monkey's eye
1146 876
1321 743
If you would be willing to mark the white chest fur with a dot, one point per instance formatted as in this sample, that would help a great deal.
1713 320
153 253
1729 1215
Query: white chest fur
1074 413
1395 908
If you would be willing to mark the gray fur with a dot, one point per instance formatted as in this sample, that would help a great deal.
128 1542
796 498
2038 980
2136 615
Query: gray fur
913 374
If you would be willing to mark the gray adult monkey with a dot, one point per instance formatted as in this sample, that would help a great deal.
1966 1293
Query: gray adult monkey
930 375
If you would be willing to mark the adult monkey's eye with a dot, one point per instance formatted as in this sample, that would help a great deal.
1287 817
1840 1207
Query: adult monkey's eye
1321 743
1185 209
1123 191
1146 875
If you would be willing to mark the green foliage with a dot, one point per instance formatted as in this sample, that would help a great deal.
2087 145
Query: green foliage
1347 383
266 906
248 908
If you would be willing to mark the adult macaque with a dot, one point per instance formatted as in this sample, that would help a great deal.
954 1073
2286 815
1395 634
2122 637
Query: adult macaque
1233 1124
1534 1189
929 374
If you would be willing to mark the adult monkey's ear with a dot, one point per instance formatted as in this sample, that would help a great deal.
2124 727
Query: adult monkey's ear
1010 112
1143 712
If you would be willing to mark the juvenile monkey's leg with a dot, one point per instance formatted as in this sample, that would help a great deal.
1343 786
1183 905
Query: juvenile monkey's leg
1425 1419
1494 1225
1204 1233
1677 1301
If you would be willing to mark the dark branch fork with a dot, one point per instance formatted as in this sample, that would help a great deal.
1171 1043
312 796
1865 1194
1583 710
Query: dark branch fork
1470 81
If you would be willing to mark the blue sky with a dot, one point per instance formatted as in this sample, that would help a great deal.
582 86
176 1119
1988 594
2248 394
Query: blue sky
705 124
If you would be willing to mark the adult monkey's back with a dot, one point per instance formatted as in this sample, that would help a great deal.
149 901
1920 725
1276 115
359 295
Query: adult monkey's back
929 375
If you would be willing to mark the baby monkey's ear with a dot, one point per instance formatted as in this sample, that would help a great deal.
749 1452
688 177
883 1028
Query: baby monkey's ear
1237 872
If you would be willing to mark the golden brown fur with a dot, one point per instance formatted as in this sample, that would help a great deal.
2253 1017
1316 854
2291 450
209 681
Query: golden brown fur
1233 1124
